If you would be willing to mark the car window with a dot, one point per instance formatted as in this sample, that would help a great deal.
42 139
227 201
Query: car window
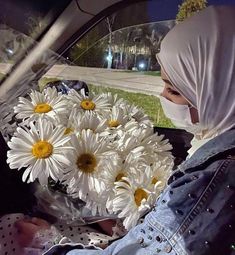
119 56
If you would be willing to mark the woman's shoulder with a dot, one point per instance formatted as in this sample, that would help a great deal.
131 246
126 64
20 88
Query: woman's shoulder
219 147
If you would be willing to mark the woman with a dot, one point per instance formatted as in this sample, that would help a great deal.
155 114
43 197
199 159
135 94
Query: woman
195 214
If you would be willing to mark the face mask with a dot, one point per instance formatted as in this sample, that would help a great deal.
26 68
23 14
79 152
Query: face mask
179 115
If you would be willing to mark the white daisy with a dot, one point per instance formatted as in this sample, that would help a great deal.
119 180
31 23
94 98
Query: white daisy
127 144
139 115
48 104
88 120
133 197
156 147
114 100
91 102
96 204
41 150
133 128
161 171
160 149
115 173
67 120
116 118
120 168
89 160
77 121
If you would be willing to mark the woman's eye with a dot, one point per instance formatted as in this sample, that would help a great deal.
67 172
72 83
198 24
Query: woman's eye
173 92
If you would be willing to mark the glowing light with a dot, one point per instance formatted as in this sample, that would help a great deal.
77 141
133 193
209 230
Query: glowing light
141 65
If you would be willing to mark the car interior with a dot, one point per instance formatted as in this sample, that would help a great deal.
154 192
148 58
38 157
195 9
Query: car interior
29 51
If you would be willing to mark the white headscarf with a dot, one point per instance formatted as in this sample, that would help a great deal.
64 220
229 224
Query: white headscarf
198 56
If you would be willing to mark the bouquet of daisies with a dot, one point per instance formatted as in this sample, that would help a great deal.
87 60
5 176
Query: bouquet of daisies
102 149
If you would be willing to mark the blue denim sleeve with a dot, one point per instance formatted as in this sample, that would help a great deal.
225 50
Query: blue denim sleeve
72 249
141 240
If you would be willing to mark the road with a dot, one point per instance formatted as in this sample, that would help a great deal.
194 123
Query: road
129 81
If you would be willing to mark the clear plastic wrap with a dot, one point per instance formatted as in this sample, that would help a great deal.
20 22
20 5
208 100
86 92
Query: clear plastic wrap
64 208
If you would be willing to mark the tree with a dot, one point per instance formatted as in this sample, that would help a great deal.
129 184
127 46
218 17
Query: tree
110 21
89 51
153 39
189 7
121 38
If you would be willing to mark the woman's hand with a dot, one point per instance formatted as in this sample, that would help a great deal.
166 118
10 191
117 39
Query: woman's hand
27 229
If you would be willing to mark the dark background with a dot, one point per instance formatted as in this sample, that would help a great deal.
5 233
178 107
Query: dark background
16 13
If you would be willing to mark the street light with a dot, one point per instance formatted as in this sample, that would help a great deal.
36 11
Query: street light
109 57
141 65
10 51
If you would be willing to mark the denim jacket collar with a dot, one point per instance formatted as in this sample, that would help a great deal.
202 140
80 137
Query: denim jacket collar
215 146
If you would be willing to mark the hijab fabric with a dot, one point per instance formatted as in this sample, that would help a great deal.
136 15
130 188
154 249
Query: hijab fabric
198 56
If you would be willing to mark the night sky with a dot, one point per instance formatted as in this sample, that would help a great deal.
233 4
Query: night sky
167 9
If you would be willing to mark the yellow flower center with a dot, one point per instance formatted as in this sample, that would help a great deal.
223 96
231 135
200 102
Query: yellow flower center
113 123
86 162
87 105
119 177
139 195
42 108
154 180
42 149
68 131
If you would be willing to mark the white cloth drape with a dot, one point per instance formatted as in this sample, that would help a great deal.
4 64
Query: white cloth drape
198 56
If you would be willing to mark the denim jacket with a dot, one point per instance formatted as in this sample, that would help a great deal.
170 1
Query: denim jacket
194 215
